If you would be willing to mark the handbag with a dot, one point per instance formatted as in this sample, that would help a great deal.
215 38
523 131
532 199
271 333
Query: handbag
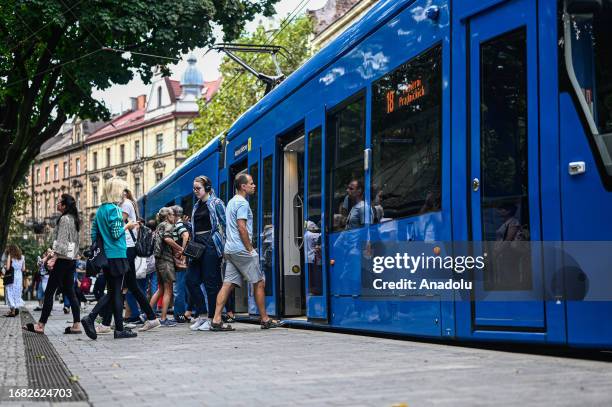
70 251
9 276
140 264
193 250
98 257
180 262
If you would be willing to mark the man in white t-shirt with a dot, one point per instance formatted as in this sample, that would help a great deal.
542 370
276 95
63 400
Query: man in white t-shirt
242 259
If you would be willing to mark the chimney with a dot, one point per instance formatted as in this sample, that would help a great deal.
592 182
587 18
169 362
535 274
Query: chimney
141 101
133 104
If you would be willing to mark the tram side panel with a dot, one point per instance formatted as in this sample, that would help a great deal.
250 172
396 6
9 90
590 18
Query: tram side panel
337 86
585 124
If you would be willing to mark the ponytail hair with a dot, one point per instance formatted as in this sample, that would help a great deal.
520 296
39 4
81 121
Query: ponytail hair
71 209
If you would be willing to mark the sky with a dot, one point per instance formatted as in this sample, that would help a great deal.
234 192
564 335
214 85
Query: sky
117 97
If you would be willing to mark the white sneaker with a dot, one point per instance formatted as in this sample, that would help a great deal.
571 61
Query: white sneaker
149 325
198 322
205 326
103 329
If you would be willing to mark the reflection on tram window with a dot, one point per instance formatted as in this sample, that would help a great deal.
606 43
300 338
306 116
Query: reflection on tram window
187 204
353 205
503 142
406 138
312 236
267 242
253 201
346 137
312 254
223 192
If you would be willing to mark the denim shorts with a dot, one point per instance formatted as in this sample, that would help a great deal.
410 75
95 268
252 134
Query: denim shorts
242 264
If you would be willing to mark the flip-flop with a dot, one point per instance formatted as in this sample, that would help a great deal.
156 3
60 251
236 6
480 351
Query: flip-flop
69 331
30 328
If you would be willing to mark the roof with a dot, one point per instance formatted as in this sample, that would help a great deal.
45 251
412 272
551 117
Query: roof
124 121
174 88
55 144
212 87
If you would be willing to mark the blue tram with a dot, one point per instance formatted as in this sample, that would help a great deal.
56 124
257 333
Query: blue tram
434 120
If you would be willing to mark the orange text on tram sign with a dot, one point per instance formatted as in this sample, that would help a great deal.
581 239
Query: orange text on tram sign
412 91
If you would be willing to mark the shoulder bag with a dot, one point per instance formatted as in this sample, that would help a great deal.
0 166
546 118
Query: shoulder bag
9 276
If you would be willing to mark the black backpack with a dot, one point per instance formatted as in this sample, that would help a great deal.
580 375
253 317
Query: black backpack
145 243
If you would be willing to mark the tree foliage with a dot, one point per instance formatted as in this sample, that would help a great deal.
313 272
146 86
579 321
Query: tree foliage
241 90
54 52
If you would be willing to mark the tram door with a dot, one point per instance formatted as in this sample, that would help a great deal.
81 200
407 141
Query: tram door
261 168
314 267
291 200
504 170
240 293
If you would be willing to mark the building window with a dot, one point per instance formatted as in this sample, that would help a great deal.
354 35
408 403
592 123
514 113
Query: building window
159 96
78 166
185 136
55 172
94 195
77 197
108 157
46 174
346 130
38 209
95 160
38 176
66 172
47 206
137 150
137 186
159 143
406 138
159 176
122 153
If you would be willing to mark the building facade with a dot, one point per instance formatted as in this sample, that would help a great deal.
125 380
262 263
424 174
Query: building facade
59 168
335 17
147 142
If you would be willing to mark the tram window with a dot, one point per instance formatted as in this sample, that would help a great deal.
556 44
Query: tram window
223 191
267 238
346 137
312 236
406 138
590 39
503 156
254 171
187 204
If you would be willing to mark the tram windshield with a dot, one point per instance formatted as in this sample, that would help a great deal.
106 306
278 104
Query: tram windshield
588 58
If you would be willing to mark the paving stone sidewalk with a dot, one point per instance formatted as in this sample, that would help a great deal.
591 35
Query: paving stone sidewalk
286 367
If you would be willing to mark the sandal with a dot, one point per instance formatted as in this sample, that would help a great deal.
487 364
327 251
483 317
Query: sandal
228 319
31 328
270 323
219 327
70 331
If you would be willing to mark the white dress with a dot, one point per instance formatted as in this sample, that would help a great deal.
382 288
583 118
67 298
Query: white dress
14 291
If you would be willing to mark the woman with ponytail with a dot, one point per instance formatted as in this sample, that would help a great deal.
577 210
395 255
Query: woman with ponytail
65 252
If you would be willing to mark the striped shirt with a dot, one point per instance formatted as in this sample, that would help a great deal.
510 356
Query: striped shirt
179 229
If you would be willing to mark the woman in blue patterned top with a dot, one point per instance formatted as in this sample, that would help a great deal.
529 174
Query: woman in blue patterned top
208 228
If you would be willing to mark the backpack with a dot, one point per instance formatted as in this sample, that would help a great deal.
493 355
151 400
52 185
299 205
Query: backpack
146 243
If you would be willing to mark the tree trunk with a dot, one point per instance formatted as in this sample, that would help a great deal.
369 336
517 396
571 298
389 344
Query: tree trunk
6 205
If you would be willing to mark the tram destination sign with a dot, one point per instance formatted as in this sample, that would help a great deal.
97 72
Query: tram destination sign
242 149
